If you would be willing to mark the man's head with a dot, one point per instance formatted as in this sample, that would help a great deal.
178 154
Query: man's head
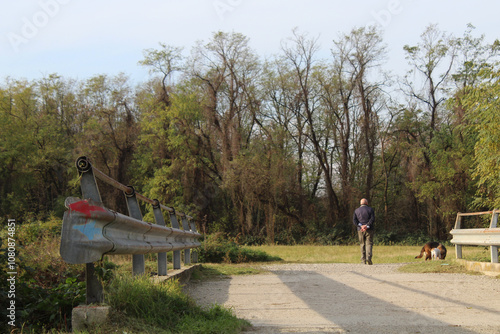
363 201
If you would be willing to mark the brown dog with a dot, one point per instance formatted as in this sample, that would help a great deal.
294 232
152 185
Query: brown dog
427 250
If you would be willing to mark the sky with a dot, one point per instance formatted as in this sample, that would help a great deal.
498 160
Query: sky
79 39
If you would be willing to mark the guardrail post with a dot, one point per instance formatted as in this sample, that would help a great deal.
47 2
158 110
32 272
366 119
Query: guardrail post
494 249
458 248
494 254
176 258
195 252
88 184
134 210
187 252
162 257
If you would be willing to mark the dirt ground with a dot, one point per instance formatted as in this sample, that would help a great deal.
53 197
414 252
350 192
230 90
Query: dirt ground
356 298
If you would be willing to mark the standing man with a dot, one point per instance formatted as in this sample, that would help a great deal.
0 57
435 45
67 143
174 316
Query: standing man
363 219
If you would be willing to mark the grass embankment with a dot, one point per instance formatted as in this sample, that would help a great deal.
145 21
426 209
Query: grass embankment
47 289
141 306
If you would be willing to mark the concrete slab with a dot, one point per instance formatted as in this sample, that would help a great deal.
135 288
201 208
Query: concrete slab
356 298
183 274
487 268
85 315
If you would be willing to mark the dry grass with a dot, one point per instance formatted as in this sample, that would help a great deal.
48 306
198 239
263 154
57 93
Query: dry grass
351 253
43 255
340 254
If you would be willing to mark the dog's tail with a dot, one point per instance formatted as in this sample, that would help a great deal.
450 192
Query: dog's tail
421 253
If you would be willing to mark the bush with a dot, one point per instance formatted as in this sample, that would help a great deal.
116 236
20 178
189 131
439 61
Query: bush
40 304
387 238
216 248
31 232
252 240
49 308
320 234
47 288
394 238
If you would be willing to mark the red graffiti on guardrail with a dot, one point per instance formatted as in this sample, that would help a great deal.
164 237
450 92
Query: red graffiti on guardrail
85 208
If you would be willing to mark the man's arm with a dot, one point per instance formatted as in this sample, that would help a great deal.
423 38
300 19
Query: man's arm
355 220
372 218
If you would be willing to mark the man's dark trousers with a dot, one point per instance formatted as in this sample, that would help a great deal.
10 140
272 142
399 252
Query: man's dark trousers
366 244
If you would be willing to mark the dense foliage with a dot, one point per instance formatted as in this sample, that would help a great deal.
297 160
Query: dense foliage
46 288
217 248
275 150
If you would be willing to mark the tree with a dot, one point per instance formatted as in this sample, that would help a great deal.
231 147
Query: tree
356 56
282 123
483 113
432 63
165 62
226 69
300 55
433 60
390 158
110 128
36 144
171 160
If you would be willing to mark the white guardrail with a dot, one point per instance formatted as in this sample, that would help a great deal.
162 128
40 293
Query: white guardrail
477 236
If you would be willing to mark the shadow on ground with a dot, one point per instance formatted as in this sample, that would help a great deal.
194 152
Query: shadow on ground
366 299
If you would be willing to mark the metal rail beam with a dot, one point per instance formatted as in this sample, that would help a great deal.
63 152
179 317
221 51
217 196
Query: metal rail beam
90 231
476 236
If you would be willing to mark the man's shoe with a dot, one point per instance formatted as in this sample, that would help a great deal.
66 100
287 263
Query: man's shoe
369 262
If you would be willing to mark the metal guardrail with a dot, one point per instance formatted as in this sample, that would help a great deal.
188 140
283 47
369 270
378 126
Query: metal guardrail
477 236
91 231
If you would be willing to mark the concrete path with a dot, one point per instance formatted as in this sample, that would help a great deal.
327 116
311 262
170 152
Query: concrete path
352 298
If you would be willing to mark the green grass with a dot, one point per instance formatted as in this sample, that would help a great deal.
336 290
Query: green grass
141 306
381 254
476 253
339 254
351 253
447 266
213 270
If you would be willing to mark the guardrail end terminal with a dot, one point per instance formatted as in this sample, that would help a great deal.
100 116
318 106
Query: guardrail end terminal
83 164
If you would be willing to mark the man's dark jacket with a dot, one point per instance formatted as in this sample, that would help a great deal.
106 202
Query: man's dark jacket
364 215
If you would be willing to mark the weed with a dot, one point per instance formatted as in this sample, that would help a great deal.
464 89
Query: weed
164 305
47 288
450 266
209 271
